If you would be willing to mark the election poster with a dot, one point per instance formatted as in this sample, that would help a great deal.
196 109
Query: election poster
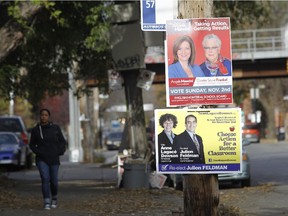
191 141
198 64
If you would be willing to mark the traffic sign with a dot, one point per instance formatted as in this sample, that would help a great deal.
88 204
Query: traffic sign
154 14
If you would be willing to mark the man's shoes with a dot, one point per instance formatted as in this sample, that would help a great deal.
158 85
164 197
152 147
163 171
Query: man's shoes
54 204
47 206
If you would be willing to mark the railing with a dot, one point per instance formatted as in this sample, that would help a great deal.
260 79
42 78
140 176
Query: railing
262 40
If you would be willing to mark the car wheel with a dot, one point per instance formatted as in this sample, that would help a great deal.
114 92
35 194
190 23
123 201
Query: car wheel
246 183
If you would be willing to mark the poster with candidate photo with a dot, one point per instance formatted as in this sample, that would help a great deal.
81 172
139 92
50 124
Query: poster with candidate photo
191 141
198 62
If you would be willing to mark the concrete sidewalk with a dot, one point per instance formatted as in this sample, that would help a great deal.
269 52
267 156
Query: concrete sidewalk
85 189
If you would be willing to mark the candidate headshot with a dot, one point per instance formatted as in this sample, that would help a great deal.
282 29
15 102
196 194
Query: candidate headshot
167 122
188 144
215 64
184 56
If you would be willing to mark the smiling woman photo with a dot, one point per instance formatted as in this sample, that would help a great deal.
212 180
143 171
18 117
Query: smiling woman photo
215 64
184 56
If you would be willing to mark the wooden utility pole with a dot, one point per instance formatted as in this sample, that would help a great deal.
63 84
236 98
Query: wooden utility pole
201 191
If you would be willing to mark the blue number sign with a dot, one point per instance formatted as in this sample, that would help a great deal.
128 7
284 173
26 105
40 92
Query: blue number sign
154 14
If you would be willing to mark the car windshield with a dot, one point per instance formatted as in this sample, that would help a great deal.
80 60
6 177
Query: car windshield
115 136
250 127
7 138
9 125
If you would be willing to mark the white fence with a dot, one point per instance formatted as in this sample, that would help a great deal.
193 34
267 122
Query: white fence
259 40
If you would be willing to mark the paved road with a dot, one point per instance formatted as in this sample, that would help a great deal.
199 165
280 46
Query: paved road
269 173
269 162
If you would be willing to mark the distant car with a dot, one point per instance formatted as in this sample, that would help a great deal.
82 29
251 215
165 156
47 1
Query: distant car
251 132
244 178
16 125
113 140
13 151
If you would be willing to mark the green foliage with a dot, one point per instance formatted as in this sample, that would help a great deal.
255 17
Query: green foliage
244 14
4 105
99 38
8 76
15 12
63 33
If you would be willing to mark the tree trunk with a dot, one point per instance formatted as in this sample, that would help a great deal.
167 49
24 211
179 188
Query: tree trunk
88 127
201 195
12 33
201 192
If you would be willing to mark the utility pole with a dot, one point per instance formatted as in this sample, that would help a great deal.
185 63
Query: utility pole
200 191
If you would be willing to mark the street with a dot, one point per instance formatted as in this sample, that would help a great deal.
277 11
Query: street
268 193
88 189
269 163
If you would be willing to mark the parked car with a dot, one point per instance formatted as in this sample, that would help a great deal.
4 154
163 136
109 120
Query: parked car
251 132
113 140
16 125
244 178
13 151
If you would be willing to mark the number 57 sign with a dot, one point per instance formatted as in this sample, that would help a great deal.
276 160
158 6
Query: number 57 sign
154 14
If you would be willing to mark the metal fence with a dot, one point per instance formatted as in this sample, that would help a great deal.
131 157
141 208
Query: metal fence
259 40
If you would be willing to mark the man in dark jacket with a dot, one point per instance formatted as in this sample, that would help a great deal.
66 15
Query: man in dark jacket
48 143
189 145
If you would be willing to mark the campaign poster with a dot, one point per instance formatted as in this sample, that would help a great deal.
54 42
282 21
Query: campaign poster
198 63
204 141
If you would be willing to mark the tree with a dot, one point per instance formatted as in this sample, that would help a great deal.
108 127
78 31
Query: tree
12 32
239 94
244 14
77 32
57 36
62 33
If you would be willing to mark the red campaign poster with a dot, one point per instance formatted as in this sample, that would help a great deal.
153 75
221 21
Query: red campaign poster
198 62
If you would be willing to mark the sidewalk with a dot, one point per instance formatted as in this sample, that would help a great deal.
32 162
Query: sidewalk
85 189
88 190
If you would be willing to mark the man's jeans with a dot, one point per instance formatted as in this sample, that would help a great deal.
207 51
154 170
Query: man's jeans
49 178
